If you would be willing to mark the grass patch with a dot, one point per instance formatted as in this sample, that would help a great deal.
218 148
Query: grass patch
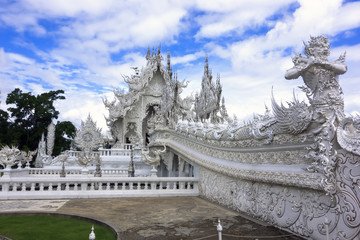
50 228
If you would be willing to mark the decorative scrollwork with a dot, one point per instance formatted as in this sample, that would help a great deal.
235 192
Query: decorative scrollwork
348 134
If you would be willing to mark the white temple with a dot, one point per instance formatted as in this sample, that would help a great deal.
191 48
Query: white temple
296 167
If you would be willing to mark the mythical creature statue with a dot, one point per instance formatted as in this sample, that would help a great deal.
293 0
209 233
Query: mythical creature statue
119 106
293 119
325 96
260 126
153 161
10 156
27 157
320 77
63 157
84 159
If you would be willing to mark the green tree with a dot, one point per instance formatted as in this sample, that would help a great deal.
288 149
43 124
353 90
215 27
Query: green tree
4 128
64 135
31 116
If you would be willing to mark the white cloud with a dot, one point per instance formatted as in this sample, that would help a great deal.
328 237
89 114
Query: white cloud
92 32
187 58
259 62
223 17
79 104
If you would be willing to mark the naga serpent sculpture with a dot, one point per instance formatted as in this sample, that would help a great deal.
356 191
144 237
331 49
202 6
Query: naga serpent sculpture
153 161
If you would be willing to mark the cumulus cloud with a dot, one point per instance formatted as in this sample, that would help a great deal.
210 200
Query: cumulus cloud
94 43
225 17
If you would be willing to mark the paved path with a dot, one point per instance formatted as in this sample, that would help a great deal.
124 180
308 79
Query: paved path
157 218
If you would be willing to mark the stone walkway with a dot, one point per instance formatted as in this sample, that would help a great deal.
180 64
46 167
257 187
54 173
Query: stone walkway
156 218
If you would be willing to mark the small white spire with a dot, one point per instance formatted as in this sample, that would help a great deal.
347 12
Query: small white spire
219 228
92 234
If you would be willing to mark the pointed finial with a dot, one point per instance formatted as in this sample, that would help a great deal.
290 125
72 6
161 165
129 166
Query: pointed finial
206 67
168 66
148 54
219 228
159 49
92 234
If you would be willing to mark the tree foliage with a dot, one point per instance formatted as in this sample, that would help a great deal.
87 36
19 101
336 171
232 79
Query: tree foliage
4 128
64 134
29 117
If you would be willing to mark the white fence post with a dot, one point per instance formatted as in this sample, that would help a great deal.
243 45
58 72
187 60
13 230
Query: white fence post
219 229
92 234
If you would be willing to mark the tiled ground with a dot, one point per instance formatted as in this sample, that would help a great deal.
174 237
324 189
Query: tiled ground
157 218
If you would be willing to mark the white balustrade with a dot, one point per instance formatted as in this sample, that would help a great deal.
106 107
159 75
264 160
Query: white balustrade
48 172
105 152
125 151
114 152
33 187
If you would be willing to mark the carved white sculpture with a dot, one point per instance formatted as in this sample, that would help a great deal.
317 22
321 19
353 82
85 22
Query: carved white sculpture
348 134
45 148
41 155
153 91
50 139
207 103
325 96
153 161
293 167
88 137
9 156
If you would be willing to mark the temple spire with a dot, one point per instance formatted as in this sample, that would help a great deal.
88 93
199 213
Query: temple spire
168 66
206 67
148 54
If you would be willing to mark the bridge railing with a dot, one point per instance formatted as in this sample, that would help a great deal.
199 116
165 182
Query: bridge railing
56 171
91 187
42 171
107 152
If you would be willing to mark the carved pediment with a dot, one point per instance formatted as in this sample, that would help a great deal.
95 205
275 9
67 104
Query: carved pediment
88 137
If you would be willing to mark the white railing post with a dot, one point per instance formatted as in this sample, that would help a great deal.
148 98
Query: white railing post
23 187
83 186
219 229
5 187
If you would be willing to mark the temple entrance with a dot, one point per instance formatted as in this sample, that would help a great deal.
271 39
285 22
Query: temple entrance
150 112
131 136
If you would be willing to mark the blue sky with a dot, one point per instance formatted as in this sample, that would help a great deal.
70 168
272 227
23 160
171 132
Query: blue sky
85 46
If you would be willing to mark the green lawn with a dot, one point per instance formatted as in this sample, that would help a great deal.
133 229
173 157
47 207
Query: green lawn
50 228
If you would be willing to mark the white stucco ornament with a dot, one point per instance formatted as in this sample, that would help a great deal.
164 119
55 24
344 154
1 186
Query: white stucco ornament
88 137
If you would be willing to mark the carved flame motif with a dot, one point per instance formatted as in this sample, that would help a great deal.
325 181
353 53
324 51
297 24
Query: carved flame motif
293 119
